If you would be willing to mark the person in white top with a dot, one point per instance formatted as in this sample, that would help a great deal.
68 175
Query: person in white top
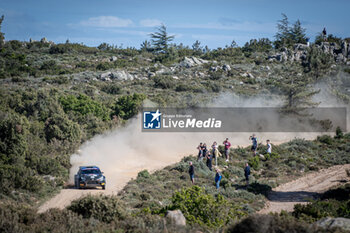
269 147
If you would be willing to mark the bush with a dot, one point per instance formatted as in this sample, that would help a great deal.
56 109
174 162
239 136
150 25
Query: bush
84 105
254 162
325 139
103 208
143 174
273 223
164 82
128 106
204 209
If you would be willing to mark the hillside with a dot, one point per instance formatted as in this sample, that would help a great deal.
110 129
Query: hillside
56 97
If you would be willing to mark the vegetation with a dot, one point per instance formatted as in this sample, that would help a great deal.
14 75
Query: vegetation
53 98
287 35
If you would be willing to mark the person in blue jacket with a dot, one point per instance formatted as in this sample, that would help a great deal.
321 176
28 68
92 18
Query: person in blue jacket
247 173
218 177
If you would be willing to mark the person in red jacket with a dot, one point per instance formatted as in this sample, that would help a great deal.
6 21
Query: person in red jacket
227 145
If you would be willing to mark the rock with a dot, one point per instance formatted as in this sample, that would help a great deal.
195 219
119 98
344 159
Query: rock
226 67
262 156
189 62
122 75
175 77
113 58
300 47
214 68
176 217
329 223
151 74
241 83
105 75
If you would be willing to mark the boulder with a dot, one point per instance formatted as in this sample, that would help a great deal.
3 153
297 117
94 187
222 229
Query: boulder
176 217
113 58
226 67
121 75
329 223
105 75
189 62
300 47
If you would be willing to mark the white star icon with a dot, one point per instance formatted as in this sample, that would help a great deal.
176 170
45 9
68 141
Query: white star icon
156 115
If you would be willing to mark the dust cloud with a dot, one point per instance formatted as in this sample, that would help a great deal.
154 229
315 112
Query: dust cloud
123 152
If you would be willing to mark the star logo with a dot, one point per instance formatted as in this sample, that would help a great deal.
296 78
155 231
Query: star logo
152 120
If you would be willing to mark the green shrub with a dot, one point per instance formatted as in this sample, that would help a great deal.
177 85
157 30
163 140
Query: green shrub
325 139
254 162
338 133
204 209
164 82
143 174
103 208
84 105
274 223
129 105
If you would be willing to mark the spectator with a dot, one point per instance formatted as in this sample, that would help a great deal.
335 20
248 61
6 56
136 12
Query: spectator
209 160
269 147
215 152
191 172
200 151
227 145
255 143
218 177
247 173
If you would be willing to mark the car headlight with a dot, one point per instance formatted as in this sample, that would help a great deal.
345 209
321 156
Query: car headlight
100 178
82 178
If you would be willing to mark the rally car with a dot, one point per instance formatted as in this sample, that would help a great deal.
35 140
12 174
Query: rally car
89 176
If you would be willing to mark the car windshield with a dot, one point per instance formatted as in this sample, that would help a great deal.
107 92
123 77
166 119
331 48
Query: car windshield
90 171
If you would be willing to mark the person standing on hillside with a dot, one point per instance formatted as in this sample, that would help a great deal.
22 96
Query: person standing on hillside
247 173
255 143
324 34
227 145
269 147
191 172
200 151
218 177
215 152
209 160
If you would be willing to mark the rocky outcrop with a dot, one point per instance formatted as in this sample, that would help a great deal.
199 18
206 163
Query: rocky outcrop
329 223
189 62
341 53
117 75
176 217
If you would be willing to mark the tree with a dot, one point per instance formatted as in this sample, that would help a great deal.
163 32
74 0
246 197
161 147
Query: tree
161 39
146 46
233 44
317 62
287 35
2 37
197 46
297 33
297 91
282 34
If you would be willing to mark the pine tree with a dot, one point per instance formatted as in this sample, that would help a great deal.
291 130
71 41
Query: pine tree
283 34
2 37
298 33
197 46
146 46
297 91
161 39
287 35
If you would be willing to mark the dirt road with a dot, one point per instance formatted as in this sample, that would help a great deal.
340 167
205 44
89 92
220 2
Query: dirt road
284 197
